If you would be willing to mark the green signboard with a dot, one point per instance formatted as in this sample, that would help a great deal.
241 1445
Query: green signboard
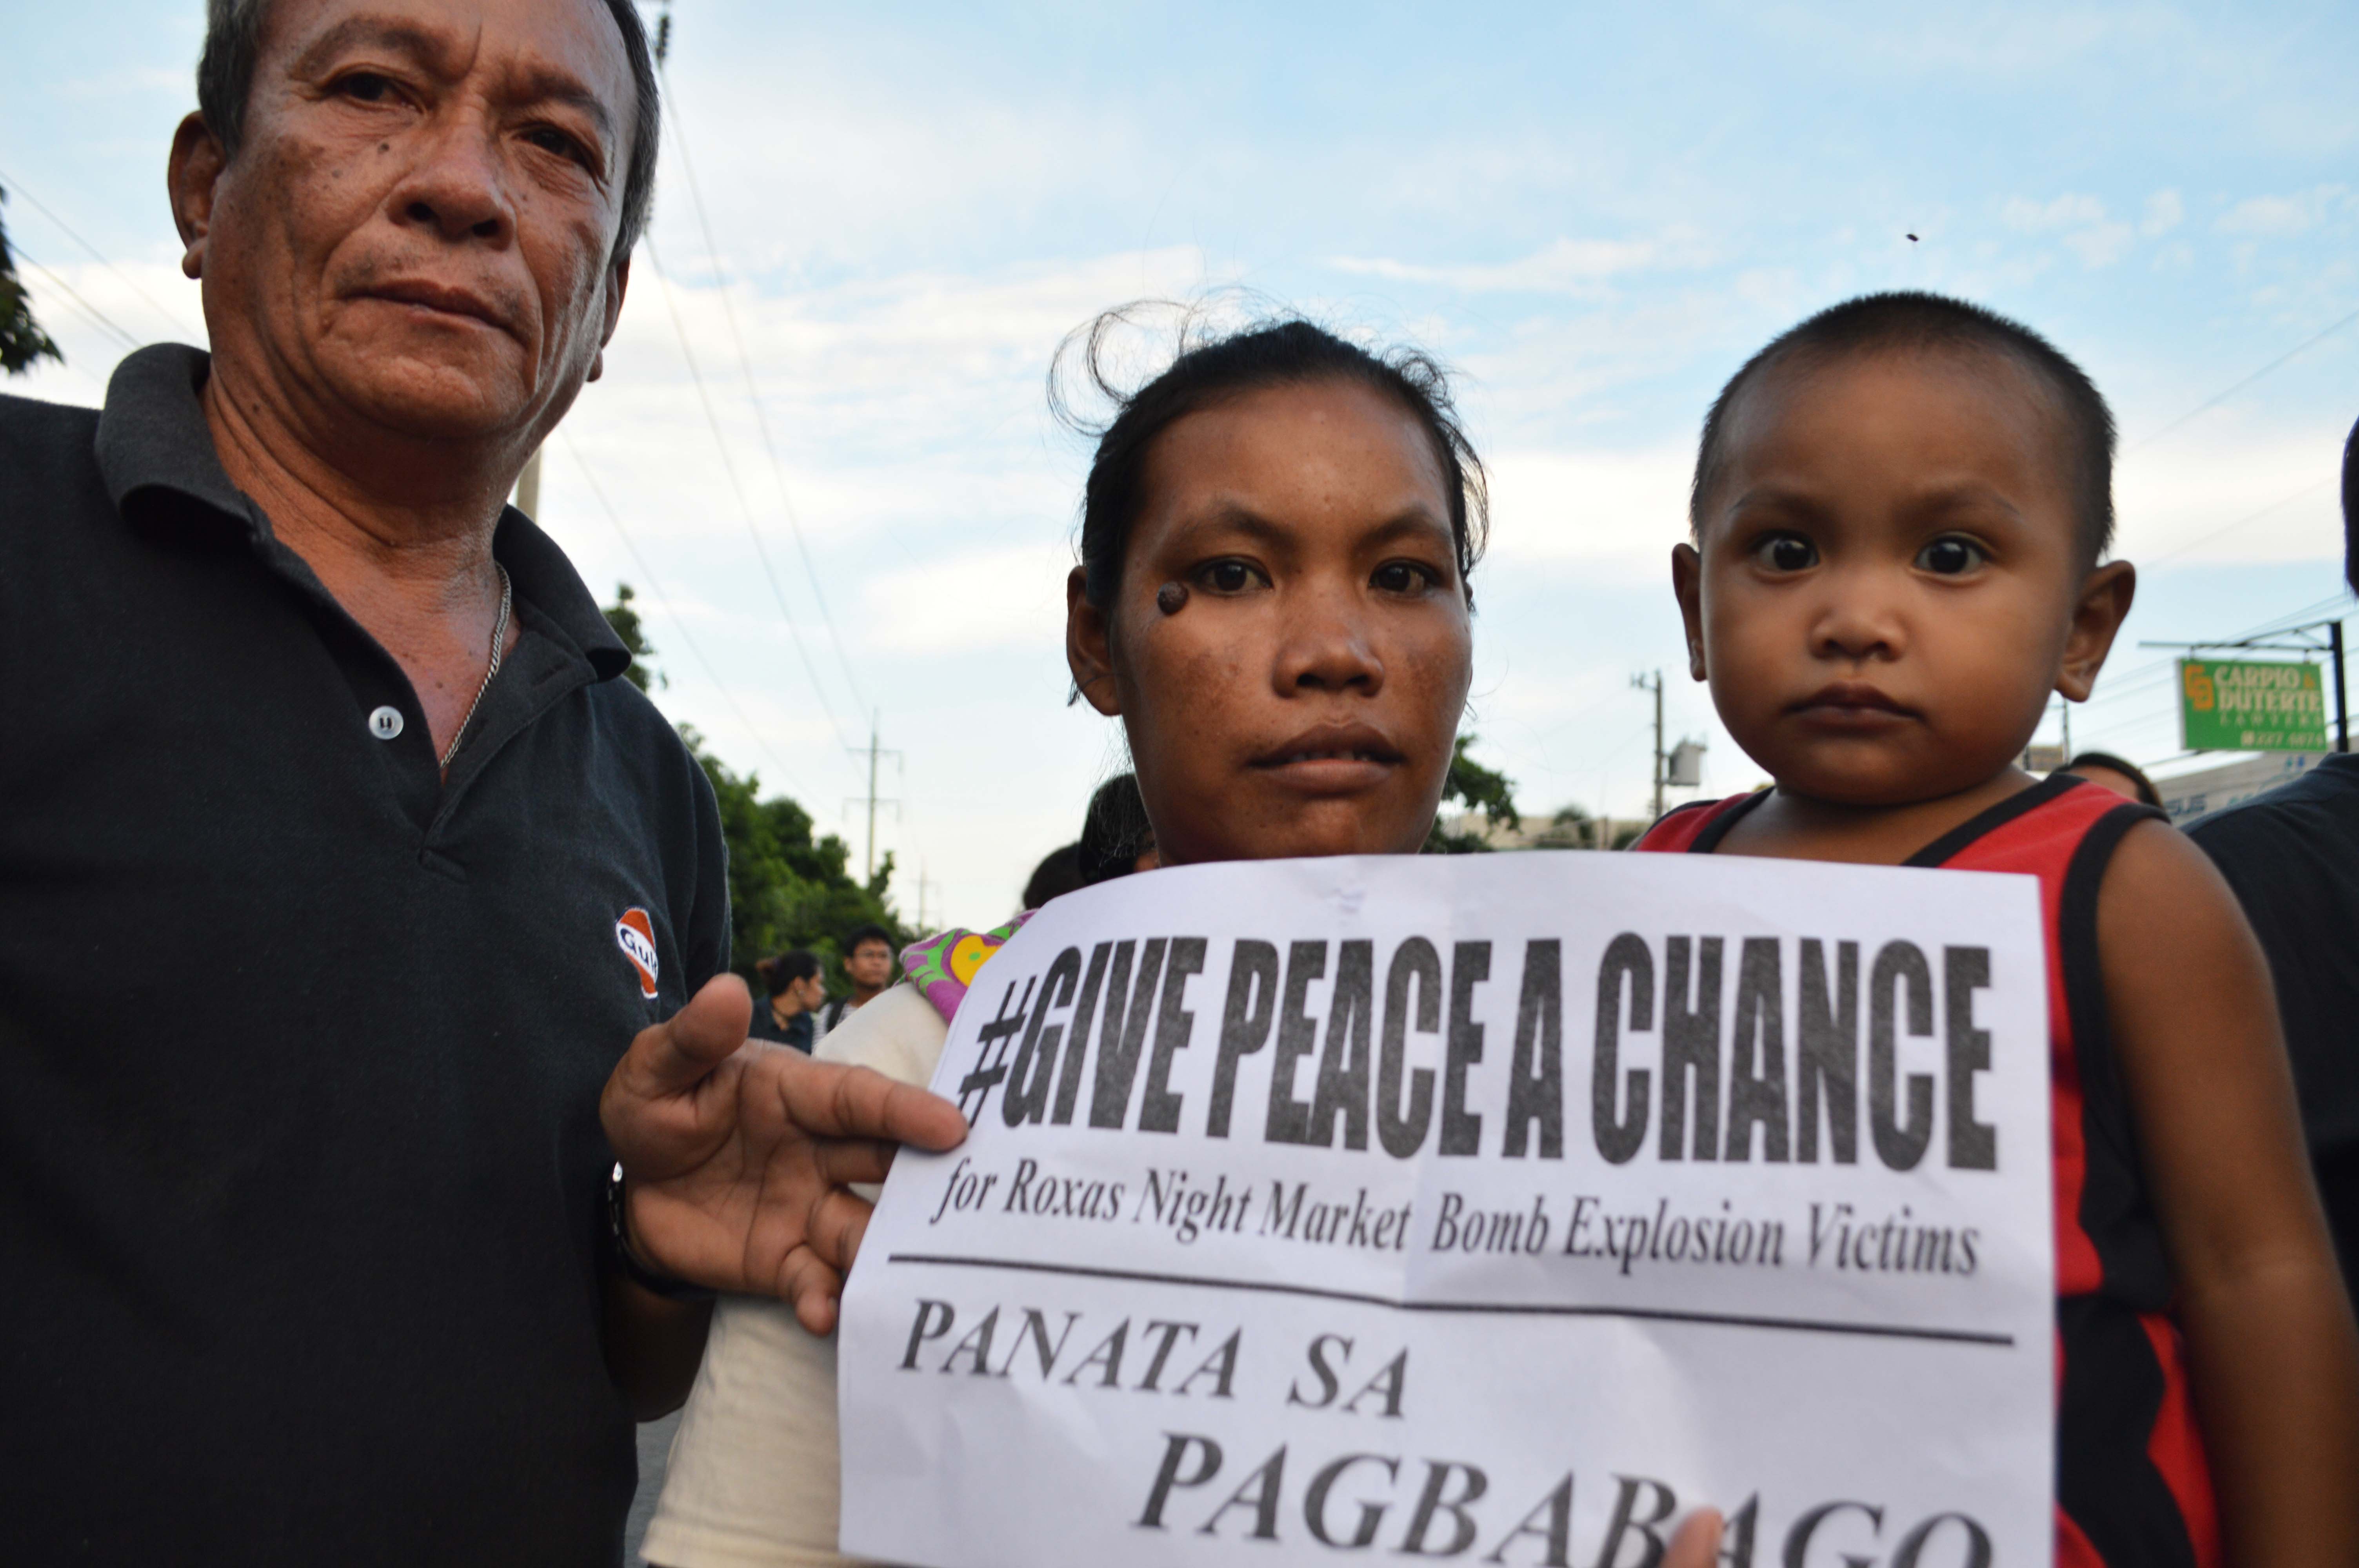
2232 705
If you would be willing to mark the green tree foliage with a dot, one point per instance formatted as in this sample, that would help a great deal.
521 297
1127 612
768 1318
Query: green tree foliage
22 341
788 888
625 623
1476 788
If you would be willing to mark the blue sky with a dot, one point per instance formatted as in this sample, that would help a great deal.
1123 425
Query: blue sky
1594 214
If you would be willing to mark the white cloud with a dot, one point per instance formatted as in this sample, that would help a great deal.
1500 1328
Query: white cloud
1980 41
1568 265
150 301
1626 507
2176 498
2164 212
987 599
2082 223
2282 217
113 86
2044 217
905 410
2101 245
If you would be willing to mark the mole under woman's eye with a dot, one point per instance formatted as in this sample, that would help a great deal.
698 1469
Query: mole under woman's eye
1951 556
1786 553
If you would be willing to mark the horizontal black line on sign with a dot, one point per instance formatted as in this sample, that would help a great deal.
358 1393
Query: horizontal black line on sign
1652 1314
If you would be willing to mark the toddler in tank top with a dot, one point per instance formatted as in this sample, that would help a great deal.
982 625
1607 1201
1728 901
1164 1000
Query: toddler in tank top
1900 513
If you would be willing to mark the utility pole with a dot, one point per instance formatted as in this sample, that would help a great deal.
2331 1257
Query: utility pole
924 883
1655 686
2342 698
873 752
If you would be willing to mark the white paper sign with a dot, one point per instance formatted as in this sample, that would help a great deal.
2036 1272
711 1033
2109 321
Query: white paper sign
1497 1208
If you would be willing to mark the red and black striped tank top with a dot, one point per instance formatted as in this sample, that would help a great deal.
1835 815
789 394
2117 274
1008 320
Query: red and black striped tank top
2132 1487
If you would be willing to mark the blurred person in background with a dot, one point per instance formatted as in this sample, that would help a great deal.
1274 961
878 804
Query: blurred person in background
1117 839
2124 779
2293 857
868 965
1059 873
796 991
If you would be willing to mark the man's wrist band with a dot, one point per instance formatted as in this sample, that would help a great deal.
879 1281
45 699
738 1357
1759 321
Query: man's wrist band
627 1259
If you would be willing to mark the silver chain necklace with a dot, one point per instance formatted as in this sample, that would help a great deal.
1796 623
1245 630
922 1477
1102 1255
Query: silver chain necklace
499 647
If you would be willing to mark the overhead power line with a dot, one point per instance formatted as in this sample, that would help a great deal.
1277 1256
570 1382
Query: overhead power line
15 189
663 602
744 507
2278 505
2209 404
761 418
2156 674
90 312
655 589
754 397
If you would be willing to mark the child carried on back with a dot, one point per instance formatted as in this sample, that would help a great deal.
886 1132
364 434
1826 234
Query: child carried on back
1900 511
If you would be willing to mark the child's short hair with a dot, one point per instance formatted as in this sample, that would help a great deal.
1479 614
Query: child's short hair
1912 321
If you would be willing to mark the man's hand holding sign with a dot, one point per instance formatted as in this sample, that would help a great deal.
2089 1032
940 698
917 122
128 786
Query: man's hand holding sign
1500 1209
736 1152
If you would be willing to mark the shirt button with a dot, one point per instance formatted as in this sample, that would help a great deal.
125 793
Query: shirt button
385 722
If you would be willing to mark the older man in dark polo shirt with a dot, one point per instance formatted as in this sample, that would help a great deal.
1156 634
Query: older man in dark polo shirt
340 879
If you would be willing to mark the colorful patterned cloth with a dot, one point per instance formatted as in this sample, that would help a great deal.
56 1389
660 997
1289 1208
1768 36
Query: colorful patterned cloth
942 966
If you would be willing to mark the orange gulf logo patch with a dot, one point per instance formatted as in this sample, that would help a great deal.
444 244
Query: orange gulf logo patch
636 935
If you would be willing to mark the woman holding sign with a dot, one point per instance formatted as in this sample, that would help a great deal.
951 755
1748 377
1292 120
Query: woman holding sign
1274 599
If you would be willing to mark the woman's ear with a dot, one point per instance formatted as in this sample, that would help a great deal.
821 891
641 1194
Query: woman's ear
2097 615
1687 582
1088 647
